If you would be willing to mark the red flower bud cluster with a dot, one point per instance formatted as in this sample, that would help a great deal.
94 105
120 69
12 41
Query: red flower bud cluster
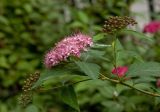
120 71
152 27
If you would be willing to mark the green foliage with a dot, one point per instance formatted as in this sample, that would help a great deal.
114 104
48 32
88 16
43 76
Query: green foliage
49 74
144 72
90 69
98 37
31 108
30 27
68 96
136 34
145 69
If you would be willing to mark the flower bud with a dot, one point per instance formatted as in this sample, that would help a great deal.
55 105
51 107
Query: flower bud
120 71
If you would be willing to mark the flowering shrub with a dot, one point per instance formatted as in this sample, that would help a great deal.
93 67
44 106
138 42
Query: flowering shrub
78 56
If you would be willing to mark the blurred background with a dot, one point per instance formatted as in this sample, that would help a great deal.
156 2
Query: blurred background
28 28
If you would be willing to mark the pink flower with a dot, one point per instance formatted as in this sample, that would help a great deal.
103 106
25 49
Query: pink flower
72 45
152 27
158 83
120 71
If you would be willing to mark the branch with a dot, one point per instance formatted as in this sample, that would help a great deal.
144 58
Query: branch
132 87
102 77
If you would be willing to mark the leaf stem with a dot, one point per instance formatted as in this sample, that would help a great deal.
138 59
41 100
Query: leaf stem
114 52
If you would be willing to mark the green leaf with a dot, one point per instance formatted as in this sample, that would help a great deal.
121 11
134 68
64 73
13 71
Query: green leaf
145 80
28 8
68 96
48 74
76 24
138 99
119 46
90 69
112 106
96 53
3 62
98 37
123 54
93 54
3 20
145 69
83 17
102 46
108 91
120 88
136 34
145 86
133 54
31 108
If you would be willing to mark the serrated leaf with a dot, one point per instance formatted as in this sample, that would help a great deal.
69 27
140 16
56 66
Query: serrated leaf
47 74
145 69
136 34
68 96
93 54
90 69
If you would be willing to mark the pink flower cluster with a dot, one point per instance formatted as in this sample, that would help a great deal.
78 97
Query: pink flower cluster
152 27
120 71
72 45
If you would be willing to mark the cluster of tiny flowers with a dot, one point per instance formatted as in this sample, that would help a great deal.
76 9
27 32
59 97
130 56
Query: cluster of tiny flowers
72 45
120 71
113 24
26 96
152 27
